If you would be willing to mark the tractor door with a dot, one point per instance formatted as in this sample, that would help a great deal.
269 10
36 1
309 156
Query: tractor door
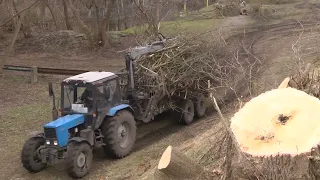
108 94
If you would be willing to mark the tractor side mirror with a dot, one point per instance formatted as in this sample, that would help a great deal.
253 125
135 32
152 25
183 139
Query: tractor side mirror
50 90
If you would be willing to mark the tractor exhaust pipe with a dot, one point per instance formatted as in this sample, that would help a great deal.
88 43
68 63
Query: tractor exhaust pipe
54 108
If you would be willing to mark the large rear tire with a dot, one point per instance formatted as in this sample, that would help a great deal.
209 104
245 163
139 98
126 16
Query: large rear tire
30 155
119 134
79 159
186 112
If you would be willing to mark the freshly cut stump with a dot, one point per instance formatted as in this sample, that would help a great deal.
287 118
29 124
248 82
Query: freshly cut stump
279 133
175 165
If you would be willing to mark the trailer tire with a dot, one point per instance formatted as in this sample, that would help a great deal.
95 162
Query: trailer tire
187 112
28 157
79 159
119 134
200 106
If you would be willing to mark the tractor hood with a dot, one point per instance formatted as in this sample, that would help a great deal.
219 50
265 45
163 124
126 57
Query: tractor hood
59 129
66 122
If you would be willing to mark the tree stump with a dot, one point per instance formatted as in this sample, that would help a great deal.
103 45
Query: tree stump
278 133
175 165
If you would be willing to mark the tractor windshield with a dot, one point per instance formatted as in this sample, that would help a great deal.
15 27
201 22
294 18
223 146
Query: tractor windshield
78 98
72 95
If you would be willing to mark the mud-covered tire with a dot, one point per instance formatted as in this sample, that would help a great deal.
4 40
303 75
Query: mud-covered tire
186 112
29 158
200 107
79 159
119 134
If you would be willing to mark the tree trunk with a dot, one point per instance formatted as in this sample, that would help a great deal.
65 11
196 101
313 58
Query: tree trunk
26 29
123 15
157 18
13 40
278 134
52 14
279 167
103 30
83 27
66 15
119 18
175 165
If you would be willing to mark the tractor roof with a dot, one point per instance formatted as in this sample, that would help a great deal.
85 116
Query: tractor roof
90 77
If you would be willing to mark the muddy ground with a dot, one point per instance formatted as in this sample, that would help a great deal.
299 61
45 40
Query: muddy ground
281 41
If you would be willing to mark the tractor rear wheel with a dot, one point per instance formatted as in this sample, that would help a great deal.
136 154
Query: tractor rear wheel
119 134
200 106
30 155
79 159
186 111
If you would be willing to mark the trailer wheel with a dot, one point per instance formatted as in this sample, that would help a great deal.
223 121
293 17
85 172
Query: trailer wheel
79 159
186 112
30 155
119 134
200 106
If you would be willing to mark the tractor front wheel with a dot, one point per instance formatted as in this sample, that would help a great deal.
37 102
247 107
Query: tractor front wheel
119 134
30 155
79 159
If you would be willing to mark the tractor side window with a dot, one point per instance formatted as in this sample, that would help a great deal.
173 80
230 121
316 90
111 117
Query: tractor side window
111 91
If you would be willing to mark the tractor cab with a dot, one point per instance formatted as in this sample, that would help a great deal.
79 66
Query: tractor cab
89 92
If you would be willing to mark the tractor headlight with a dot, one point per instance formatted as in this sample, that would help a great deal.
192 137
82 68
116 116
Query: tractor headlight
55 143
48 142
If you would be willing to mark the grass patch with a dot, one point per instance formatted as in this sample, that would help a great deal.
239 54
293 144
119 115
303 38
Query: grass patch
172 28
24 119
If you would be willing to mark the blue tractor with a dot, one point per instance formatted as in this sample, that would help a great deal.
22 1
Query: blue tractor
92 113
101 109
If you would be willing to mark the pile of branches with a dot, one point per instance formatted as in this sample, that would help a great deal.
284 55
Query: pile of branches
186 64
307 81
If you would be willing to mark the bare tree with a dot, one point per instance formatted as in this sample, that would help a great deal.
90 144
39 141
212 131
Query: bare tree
101 36
66 15
21 14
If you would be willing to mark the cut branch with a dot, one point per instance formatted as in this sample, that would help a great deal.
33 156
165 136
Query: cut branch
175 165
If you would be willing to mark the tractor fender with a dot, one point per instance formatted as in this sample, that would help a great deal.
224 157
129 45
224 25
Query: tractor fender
86 135
80 140
113 111
35 134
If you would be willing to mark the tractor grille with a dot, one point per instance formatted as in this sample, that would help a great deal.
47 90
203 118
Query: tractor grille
50 132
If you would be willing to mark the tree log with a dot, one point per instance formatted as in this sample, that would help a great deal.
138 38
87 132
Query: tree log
175 165
278 133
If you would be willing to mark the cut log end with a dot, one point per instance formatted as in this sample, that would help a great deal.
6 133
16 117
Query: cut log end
281 121
165 158
284 83
174 164
278 132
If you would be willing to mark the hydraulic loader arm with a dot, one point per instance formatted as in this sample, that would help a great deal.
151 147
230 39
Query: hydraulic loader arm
137 52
